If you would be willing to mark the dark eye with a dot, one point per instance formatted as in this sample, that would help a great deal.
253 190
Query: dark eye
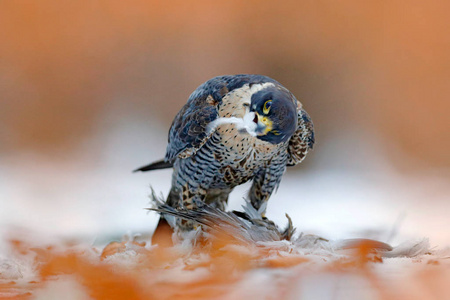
266 107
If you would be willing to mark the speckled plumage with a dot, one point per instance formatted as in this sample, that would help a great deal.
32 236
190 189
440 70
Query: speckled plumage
211 158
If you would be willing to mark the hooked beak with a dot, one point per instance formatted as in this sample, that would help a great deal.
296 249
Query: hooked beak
255 125
263 124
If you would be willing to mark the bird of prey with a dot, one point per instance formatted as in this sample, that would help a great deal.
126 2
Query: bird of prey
233 129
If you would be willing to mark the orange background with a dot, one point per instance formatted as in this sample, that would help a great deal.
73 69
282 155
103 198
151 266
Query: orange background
382 67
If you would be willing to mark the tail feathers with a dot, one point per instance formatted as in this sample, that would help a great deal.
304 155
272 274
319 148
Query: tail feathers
160 164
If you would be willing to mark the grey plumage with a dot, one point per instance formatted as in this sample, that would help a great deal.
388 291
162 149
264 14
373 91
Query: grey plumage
243 227
249 228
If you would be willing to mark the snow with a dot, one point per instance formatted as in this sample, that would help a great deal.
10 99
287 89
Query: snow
278 269
94 198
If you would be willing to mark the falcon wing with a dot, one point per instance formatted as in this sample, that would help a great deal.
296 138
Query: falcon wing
188 132
303 139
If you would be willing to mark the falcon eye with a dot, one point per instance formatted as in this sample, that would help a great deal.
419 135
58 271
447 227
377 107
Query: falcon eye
267 106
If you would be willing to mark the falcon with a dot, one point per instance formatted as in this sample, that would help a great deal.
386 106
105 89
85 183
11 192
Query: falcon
233 129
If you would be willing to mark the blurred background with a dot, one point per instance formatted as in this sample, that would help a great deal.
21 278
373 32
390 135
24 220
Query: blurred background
88 91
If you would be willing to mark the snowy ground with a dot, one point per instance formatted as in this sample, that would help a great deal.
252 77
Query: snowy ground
95 200
304 268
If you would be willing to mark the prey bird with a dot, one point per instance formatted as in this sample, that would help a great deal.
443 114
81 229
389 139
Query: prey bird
233 129
249 228
244 227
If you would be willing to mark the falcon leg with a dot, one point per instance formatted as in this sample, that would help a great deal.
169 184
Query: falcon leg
264 183
191 198
218 198
185 198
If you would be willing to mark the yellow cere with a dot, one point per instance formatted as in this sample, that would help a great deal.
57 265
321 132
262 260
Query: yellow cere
266 121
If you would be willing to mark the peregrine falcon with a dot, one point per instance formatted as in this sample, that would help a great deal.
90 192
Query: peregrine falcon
233 129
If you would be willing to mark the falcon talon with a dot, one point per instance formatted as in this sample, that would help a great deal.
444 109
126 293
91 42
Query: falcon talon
233 129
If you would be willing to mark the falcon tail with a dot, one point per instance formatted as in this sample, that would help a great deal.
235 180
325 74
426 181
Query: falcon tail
157 165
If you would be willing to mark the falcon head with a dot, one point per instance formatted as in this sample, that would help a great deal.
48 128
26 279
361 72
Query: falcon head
274 112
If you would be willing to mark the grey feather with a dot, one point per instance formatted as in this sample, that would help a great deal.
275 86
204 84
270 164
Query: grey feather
250 228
